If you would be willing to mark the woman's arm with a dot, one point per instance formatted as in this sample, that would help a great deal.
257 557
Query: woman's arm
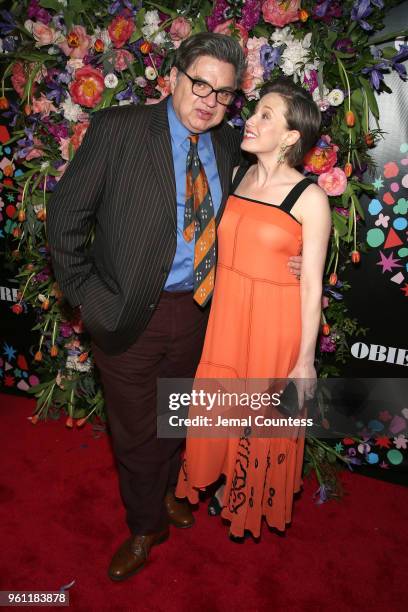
314 213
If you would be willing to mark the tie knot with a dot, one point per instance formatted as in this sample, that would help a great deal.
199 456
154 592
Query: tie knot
193 138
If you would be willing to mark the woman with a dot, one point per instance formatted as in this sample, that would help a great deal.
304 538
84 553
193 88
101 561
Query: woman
264 322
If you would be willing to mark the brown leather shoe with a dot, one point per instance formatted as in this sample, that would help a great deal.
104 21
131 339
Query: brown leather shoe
133 554
179 512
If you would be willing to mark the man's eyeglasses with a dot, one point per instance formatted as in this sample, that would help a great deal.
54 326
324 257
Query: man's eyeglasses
203 89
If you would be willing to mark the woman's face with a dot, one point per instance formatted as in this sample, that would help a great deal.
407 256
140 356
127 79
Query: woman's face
266 130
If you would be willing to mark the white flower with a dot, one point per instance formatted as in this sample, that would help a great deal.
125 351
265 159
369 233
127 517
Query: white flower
63 2
152 18
72 112
44 166
124 102
295 58
150 73
140 81
321 97
28 24
335 97
103 35
74 64
111 80
281 36
151 34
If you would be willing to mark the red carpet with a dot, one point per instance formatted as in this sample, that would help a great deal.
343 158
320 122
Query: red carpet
61 520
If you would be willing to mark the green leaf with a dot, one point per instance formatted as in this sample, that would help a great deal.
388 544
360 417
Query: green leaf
163 9
136 35
51 4
388 37
372 102
140 17
358 206
340 223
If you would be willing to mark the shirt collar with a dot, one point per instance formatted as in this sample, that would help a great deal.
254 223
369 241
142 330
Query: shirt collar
179 133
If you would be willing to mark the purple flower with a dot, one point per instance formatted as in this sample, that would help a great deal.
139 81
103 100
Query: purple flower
66 330
217 16
128 94
7 25
269 57
58 130
311 80
362 9
345 45
119 5
401 56
9 44
250 14
12 113
35 11
327 344
326 10
376 74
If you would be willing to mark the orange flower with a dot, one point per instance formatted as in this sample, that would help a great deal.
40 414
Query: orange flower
69 422
54 351
326 329
82 357
4 103
99 45
38 356
21 216
303 15
348 169
333 279
350 119
355 257
145 48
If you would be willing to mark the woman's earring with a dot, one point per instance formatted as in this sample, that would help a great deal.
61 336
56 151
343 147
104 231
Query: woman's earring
281 155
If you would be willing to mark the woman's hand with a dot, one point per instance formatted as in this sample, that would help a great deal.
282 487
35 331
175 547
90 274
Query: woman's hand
305 378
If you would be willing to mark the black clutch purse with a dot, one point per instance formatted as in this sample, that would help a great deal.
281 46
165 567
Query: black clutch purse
289 401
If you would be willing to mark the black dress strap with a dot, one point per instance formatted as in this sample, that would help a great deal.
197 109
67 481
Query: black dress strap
294 194
239 175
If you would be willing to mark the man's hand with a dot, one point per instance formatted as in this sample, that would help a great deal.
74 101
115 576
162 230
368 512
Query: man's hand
295 265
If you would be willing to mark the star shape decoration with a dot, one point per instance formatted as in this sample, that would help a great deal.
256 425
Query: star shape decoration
9 352
388 263
405 289
384 465
378 183
383 441
339 447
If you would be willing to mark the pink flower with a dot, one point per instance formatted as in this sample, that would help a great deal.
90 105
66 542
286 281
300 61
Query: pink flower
253 75
87 87
325 301
79 133
19 78
64 148
122 59
120 30
333 182
279 13
43 34
34 153
229 27
43 105
77 43
180 29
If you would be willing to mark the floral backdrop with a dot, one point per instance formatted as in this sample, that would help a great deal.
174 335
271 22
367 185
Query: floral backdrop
65 59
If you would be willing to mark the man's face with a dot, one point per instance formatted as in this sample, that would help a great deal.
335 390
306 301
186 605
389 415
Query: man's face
200 114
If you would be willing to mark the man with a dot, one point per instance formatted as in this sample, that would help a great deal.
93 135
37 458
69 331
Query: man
142 288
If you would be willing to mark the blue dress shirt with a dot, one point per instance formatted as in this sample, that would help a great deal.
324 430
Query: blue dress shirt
180 277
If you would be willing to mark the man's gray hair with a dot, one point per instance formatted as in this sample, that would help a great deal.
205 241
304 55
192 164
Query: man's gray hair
222 47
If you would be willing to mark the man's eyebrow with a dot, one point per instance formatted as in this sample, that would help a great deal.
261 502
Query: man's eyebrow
226 88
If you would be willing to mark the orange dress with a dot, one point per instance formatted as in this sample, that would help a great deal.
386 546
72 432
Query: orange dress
254 331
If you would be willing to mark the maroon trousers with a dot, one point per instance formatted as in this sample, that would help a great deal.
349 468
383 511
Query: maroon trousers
169 347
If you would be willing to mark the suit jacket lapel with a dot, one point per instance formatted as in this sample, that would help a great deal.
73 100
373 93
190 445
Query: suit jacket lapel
224 171
162 158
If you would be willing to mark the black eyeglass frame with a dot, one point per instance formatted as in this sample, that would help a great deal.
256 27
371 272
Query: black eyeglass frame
233 94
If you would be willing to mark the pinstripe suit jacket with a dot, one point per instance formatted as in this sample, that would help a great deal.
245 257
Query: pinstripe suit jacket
121 182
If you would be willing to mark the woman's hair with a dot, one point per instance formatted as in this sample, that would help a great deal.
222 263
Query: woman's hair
302 114
220 46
